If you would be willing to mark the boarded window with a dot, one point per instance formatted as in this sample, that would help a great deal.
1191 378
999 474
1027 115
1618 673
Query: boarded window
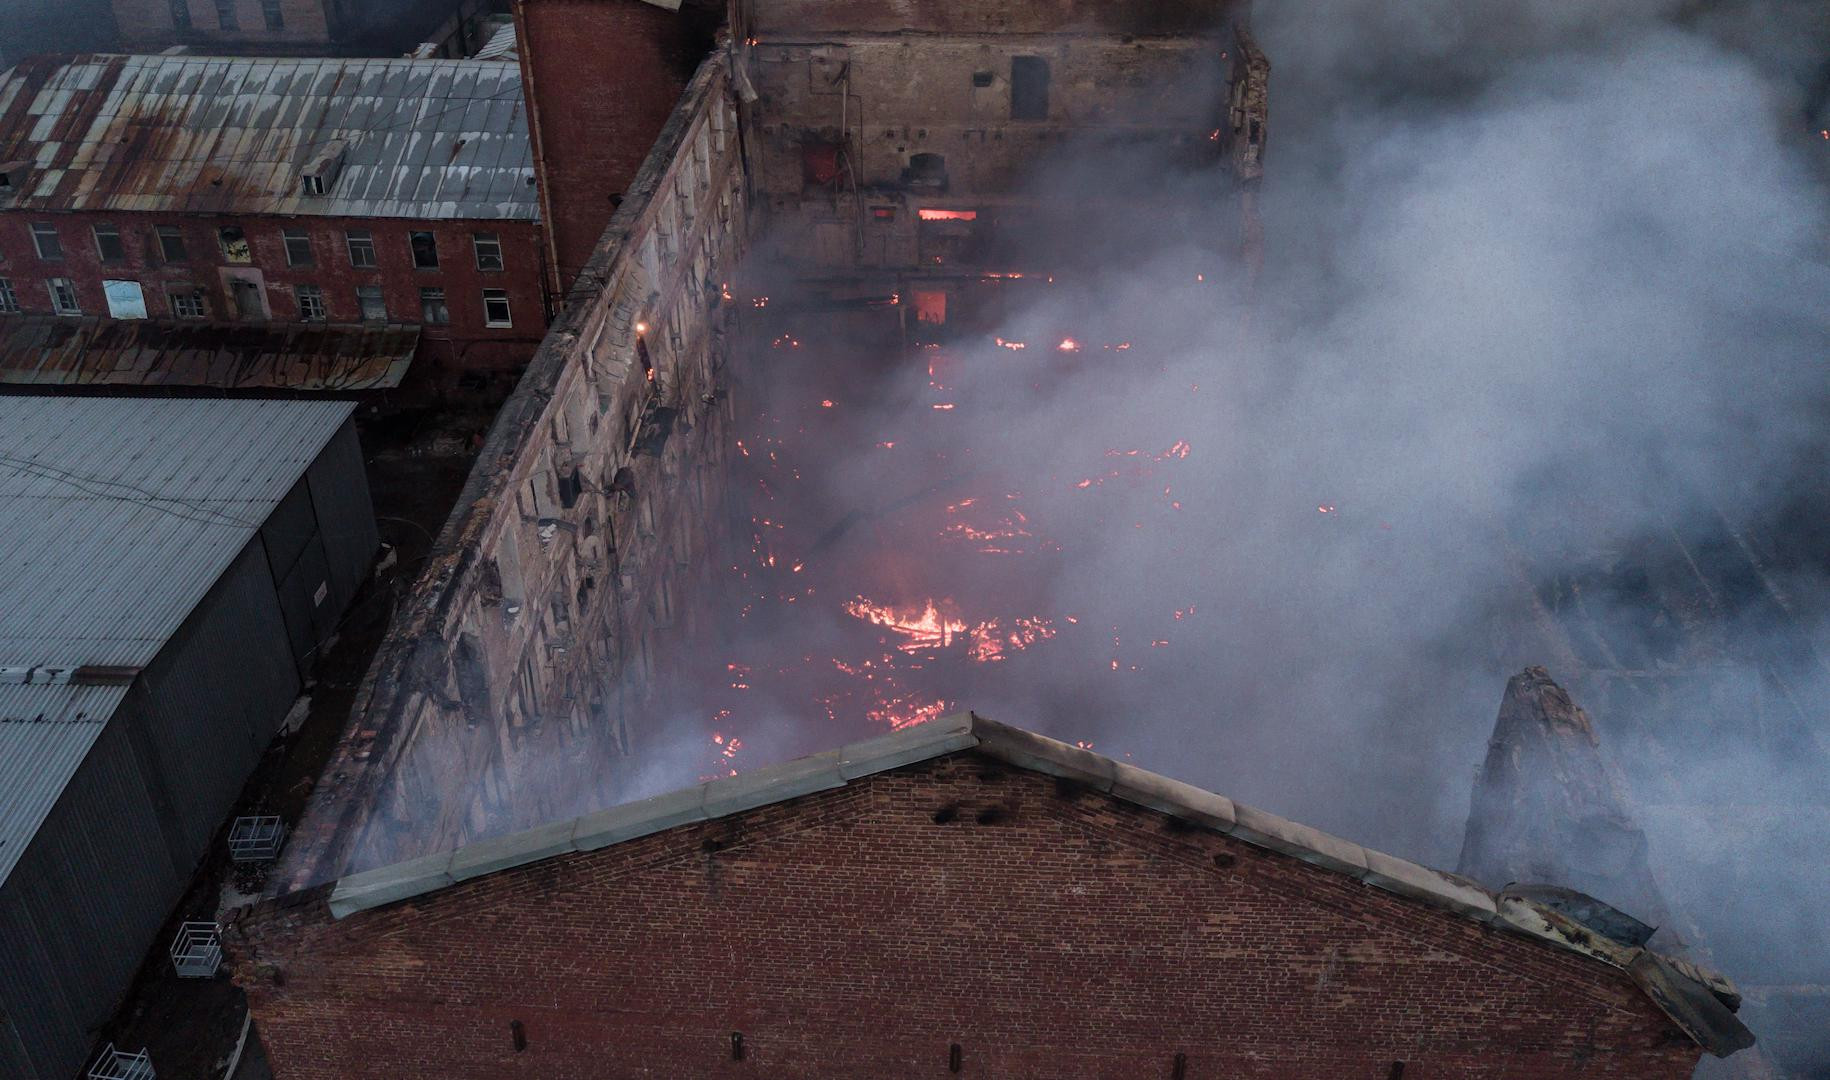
126 300
1028 88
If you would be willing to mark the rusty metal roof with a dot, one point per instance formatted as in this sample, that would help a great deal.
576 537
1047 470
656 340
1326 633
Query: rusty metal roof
47 350
231 135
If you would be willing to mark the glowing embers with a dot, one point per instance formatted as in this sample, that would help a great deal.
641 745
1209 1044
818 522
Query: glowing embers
930 213
988 528
933 627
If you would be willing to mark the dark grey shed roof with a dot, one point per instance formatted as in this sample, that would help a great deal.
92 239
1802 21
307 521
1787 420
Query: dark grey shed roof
117 515
1694 999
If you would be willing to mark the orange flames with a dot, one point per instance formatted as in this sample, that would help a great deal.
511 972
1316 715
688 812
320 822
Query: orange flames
933 214
935 626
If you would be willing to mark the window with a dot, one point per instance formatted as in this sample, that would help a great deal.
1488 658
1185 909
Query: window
495 308
108 243
311 303
50 248
298 247
1028 88
9 300
369 299
314 185
234 244
225 15
126 300
186 301
171 244
432 309
489 250
361 248
276 19
63 296
181 14
425 250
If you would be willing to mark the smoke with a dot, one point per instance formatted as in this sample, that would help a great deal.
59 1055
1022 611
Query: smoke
1534 374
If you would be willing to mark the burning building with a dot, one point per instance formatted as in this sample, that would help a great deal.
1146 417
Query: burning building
764 489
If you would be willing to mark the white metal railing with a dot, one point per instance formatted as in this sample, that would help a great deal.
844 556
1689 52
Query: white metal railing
120 1065
254 839
196 951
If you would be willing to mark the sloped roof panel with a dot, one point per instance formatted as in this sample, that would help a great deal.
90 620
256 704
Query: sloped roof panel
155 132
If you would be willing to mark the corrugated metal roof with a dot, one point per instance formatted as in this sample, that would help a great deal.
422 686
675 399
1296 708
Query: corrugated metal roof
50 349
117 515
45 732
213 134
503 44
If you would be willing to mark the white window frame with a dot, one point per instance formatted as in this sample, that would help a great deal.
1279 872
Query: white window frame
315 295
40 231
507 321
288 237
478 241
9 300
57 301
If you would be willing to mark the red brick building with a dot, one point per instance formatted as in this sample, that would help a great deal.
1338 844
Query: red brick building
342 192
232 23
958 898
602 78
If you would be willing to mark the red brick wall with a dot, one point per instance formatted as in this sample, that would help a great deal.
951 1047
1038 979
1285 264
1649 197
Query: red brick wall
602 77
1049 932
149 23
465 344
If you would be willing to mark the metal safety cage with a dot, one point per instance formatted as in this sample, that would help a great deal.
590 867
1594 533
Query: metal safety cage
196 951
120 1065
256 839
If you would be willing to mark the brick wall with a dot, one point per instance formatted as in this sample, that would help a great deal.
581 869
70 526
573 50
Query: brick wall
602 77
1048 931
150 23
532 638
466 344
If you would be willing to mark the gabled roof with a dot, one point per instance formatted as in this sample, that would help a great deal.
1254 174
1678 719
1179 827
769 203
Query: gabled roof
1699 1002
117 516
232 135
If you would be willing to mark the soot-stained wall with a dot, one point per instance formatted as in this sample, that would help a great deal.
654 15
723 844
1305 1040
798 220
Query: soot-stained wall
530 639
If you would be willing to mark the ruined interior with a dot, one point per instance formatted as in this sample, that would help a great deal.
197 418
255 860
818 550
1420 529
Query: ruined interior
772 483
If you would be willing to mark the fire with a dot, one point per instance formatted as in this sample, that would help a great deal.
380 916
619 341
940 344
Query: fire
1068 344
1011 345
935 626
1326 508
945 406
901 712
922 629
825 403
932 214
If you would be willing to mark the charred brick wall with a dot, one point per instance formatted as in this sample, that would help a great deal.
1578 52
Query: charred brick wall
868 113
466 344
602 78
517 668
1046 931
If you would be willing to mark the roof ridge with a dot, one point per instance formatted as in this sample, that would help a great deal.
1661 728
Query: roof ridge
1685 998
